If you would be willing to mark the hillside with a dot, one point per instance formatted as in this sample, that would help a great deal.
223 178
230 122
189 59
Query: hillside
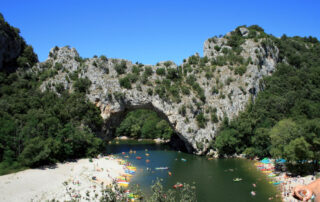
194 98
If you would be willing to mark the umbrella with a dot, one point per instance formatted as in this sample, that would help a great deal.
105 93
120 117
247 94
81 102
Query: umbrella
281 161
265 160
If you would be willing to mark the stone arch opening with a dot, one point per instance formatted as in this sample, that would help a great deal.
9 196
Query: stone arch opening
177 141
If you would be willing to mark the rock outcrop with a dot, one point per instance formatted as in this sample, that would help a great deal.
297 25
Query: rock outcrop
194 98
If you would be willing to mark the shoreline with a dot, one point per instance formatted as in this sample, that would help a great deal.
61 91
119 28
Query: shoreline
156 141
46 183
284 184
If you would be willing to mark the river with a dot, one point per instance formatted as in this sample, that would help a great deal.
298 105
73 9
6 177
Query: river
213 178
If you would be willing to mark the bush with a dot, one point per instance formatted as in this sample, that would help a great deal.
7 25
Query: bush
161 71
59 87
120 68
103 58
58 66
201 120
167 63
241 70
193 60
125 82
148 71
172 74
185 90
214 117
182 110
136 70
82 85
150 91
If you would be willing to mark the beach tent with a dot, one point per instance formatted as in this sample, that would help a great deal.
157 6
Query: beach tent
265 161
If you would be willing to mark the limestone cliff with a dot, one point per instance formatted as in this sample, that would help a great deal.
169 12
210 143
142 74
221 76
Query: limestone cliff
194 98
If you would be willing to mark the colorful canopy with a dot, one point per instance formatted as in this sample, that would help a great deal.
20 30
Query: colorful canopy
281 161
265 160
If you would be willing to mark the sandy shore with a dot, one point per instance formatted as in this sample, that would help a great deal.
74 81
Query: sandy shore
289 183
284 183
47 183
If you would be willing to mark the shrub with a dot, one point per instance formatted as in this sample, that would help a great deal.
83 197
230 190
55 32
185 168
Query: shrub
167 63
193 60
191 79
133 77
136 69
241 70
150 91
148 71
82 85
28 58
229 80
185 90
103 58
217 48
182 110
161 71
161 91
125 82
201 120
120 68
172 74
59 87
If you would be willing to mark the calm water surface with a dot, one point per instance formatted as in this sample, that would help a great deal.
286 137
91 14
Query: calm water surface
213 178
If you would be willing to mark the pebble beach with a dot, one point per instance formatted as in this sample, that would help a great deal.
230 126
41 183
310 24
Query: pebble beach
47 183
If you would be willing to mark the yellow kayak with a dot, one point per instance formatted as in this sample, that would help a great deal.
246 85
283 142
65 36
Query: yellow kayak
132 168
267 171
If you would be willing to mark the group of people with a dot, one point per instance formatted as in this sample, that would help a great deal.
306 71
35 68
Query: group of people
307 192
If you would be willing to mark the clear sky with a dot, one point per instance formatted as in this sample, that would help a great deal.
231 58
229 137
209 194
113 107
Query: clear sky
150 31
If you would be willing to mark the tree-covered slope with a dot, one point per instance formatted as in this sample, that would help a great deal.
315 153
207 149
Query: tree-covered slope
284 120
38 128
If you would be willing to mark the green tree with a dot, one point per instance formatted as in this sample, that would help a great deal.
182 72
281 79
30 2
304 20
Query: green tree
281 134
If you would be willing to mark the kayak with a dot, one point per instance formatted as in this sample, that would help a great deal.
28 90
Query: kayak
130 171
132 168
162 168
178 185
123 184
237 179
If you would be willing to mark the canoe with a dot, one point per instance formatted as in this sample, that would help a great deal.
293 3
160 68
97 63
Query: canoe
132 168
130 171
237 179
177 185
162 168
123 184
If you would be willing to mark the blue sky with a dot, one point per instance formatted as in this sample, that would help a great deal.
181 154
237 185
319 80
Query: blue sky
150 31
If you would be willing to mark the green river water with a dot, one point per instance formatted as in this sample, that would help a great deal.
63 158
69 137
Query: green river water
213 178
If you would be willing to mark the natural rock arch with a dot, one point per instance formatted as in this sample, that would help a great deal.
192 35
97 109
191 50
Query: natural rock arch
115 119
235 89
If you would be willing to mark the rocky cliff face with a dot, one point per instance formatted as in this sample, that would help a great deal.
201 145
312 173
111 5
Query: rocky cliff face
194 98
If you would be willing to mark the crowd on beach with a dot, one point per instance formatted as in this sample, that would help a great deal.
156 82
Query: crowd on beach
284 183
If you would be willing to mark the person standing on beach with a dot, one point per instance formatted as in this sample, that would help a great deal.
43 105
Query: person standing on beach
306 192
